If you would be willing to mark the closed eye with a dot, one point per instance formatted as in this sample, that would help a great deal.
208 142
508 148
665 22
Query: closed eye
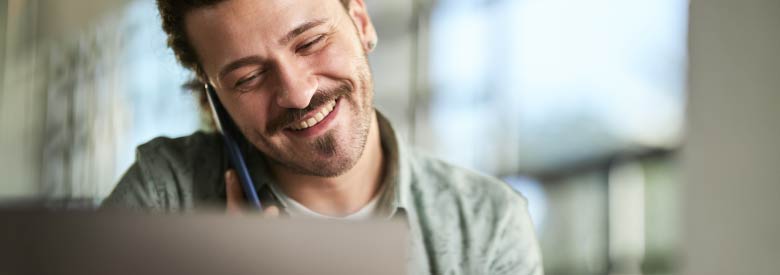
242 83
309 44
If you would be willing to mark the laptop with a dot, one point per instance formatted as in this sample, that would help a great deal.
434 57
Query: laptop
46 242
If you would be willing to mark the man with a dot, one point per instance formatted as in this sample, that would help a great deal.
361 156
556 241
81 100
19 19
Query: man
294 76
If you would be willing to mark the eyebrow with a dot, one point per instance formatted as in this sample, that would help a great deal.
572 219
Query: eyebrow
301 29
254 59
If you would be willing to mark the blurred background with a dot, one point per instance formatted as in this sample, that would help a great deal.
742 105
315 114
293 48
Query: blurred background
582 105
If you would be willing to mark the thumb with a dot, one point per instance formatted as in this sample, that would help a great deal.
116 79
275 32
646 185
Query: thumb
235 196
271 211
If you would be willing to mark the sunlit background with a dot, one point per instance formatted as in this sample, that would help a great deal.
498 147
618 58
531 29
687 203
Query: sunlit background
579 105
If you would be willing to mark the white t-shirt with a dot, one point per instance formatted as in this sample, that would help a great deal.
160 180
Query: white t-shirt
296 209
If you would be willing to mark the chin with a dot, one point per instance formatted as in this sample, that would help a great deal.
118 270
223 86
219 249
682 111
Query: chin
327 156
332 168
320 166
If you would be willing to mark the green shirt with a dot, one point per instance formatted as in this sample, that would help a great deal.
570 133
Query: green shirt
460 221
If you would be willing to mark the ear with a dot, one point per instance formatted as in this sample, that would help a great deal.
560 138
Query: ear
366 32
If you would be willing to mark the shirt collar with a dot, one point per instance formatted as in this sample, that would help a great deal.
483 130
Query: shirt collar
397 176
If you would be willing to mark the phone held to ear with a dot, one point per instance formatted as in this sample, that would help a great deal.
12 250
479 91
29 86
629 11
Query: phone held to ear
230 132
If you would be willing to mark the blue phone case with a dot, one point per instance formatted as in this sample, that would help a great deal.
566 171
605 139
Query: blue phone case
229 132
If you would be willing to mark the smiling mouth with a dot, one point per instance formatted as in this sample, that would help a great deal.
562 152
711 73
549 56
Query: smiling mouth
315 119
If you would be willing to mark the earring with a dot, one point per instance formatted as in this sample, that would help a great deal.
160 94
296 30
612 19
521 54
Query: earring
371 45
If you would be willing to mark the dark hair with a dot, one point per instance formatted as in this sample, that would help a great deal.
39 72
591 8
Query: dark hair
173 13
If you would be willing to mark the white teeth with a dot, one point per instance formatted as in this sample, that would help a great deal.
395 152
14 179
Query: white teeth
324 111
311 121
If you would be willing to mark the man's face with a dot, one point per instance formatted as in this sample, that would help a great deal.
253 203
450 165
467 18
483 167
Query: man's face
294 76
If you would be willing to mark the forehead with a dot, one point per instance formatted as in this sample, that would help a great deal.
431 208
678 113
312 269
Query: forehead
237 28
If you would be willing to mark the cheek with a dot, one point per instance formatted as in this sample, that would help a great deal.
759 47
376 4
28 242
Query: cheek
338 60
252 111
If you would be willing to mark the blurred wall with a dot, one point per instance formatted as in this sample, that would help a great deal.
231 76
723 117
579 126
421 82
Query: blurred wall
21 110
3 16
732 155
27 24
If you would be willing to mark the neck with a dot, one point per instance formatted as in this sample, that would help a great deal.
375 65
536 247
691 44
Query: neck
342 195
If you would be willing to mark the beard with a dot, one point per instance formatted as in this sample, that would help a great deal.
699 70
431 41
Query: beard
334 152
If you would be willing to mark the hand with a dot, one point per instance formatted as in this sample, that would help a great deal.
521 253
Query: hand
235 197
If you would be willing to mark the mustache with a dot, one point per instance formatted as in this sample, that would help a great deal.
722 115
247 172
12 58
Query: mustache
319 99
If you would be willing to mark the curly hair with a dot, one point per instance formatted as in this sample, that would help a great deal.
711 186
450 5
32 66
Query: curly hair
173 14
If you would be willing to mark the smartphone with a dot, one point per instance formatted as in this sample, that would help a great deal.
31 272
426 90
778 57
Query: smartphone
230 135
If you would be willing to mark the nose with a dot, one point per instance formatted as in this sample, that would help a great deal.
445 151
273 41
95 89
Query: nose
296 85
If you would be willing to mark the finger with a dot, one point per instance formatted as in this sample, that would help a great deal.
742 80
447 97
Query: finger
271 211
234 194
